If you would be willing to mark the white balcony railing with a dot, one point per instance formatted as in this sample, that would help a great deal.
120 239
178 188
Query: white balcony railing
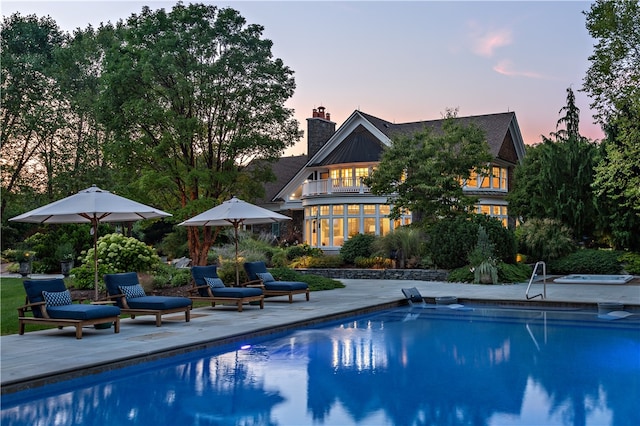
334 186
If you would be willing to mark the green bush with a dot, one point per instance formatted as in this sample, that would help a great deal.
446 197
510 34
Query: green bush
406 242
325 261
587 261
545 239
294 252
315 282
376 262
630 262
359 245
514 273
166 276
461 275
450 241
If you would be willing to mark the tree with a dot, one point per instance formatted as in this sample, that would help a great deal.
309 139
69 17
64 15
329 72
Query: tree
613 81
194 95
30 107
424 171
554 181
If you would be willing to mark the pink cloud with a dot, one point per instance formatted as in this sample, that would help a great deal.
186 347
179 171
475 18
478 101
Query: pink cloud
484 44
505 67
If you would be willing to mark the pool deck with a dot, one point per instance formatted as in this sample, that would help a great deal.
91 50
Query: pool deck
42 357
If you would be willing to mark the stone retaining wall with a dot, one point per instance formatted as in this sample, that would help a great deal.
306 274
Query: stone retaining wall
379 274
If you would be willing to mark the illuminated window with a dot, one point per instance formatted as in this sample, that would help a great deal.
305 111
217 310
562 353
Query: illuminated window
338 209
370 225
324 232
353 224
385 226
369 209
385 210
324 210
353 209
338 232
497 211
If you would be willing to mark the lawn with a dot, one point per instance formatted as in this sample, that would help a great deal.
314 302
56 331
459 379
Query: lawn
11 296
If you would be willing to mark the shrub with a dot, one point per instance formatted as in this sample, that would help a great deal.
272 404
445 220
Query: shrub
376 262
630 262
460 275
587 261
450 241
124 254
300 250
325 261
545 239
513 273
315 282
357 245
166 276
405 243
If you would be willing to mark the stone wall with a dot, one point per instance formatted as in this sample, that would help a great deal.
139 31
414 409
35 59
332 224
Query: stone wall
379 274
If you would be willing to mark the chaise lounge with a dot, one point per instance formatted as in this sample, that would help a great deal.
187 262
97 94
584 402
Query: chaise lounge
209 287
127 292
50 303
257 272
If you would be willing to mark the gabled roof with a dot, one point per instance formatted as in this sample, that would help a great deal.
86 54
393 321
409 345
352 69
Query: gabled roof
495 126
284 169
359 146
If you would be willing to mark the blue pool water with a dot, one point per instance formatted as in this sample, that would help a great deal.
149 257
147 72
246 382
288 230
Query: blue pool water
406 366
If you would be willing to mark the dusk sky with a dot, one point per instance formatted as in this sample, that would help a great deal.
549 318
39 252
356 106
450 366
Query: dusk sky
405 61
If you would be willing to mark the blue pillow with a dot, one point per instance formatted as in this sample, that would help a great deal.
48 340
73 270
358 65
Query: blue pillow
132 291
57 298
214 282
265 277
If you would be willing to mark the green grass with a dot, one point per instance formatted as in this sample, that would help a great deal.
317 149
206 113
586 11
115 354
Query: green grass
11 296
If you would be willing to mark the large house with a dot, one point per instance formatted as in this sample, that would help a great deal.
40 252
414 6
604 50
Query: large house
323 191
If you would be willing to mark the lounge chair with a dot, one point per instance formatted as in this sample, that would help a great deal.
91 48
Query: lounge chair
126 290
50 302
413 296
209 287
257 272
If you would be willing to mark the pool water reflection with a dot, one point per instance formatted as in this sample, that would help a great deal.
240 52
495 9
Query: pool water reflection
396 367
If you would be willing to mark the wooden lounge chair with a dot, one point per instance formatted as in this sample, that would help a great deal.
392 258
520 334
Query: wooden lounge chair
257 272
49 302
126 290
217 292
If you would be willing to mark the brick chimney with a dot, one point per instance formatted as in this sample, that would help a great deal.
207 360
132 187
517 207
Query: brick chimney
320 128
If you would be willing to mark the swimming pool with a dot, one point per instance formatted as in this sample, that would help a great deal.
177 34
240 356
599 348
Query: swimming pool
394 367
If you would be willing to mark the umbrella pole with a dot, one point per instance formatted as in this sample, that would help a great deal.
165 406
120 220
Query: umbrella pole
94 223
235 225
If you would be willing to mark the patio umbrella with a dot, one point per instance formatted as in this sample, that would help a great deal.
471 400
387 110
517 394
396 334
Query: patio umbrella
235 212
92 205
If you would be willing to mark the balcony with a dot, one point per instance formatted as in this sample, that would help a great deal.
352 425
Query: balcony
334 186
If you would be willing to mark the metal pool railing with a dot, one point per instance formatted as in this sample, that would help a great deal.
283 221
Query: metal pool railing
534 274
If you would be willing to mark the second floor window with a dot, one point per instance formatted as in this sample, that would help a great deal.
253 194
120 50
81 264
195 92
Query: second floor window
495 179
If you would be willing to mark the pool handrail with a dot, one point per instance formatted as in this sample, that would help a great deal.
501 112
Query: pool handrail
534 274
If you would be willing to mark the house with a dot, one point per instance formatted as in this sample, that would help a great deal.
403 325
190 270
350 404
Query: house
324 194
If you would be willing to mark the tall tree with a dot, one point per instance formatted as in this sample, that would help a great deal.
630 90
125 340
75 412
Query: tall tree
194 95
613 82
424 171
30 106
555 179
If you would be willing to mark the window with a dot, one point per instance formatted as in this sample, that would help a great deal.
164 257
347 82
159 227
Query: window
494 178
498 211
354 226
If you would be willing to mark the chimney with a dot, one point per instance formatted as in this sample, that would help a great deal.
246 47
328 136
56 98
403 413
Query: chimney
320 128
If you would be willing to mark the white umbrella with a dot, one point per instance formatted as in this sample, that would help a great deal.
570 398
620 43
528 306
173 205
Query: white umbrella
92 205
235 212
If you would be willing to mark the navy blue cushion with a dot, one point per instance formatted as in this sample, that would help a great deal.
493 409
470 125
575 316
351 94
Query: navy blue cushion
236 292
34 289
82 311
252 268
266 277
158 302
285 285
199 273
114 281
